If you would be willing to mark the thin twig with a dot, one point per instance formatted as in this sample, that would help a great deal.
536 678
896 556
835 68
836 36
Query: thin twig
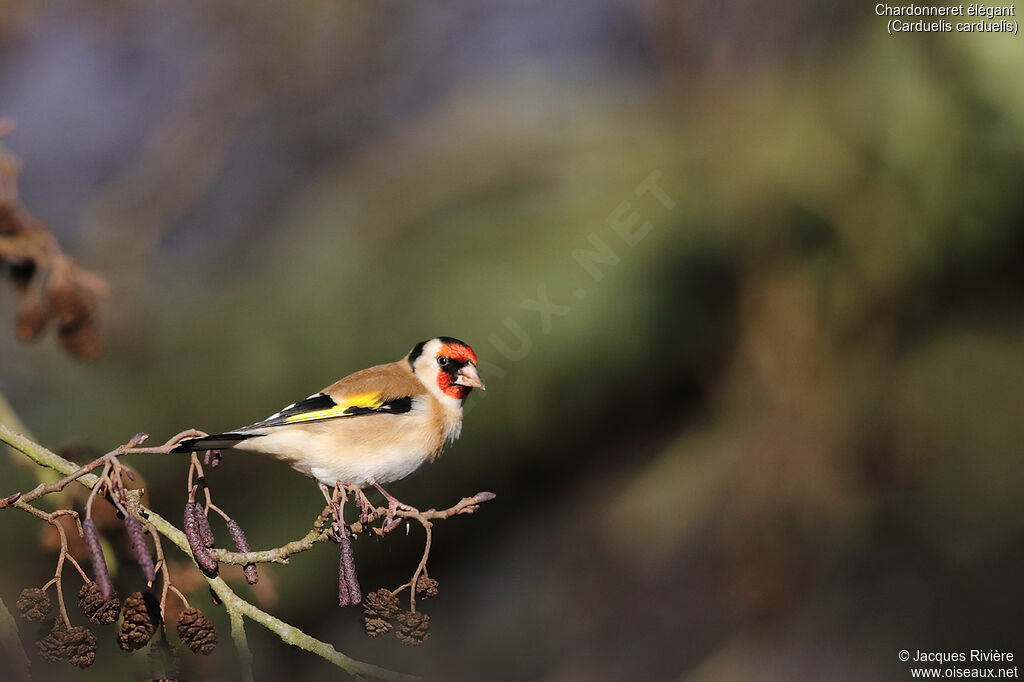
210 505
57 486
52 519
58 574
420 568
176 591
279 555
85 578
165 575
96 488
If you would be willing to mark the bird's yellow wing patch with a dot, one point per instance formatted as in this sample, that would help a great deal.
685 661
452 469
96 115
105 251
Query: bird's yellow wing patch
320 406
347 406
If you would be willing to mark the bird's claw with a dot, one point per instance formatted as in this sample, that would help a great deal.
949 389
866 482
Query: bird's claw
391 521
367 512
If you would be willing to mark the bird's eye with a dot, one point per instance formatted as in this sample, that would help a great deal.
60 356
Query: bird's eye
442 361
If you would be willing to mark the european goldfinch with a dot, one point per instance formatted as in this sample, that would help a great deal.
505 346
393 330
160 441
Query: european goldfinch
371 428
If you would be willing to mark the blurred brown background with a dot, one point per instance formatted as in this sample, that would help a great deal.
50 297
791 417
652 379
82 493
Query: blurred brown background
779 439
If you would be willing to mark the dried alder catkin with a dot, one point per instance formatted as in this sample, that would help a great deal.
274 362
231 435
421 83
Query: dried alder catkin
140 547
348 583
195 519
99 564
205 532
251 574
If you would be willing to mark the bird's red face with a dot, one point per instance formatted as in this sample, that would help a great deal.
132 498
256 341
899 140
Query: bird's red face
457 374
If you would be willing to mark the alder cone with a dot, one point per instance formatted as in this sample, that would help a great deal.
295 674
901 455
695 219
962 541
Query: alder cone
75 309
97 609
80 338
197 632
413 627
76 645
381 604
426 588
34 605
51 647
141 615
376 626
81 647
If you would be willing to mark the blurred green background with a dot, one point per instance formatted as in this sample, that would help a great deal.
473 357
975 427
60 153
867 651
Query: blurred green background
778 439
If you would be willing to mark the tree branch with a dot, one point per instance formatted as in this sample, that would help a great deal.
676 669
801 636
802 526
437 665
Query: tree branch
319 533
241 645
235 605
278 555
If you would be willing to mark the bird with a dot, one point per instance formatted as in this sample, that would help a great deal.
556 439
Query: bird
373 427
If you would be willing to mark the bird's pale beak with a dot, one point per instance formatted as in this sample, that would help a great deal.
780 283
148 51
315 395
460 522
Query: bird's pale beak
468 376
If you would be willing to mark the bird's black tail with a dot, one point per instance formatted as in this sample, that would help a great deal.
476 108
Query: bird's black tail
219 441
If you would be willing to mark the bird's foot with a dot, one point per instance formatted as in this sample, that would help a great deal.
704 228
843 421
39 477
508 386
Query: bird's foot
328 495
336 500
394 504
367 510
